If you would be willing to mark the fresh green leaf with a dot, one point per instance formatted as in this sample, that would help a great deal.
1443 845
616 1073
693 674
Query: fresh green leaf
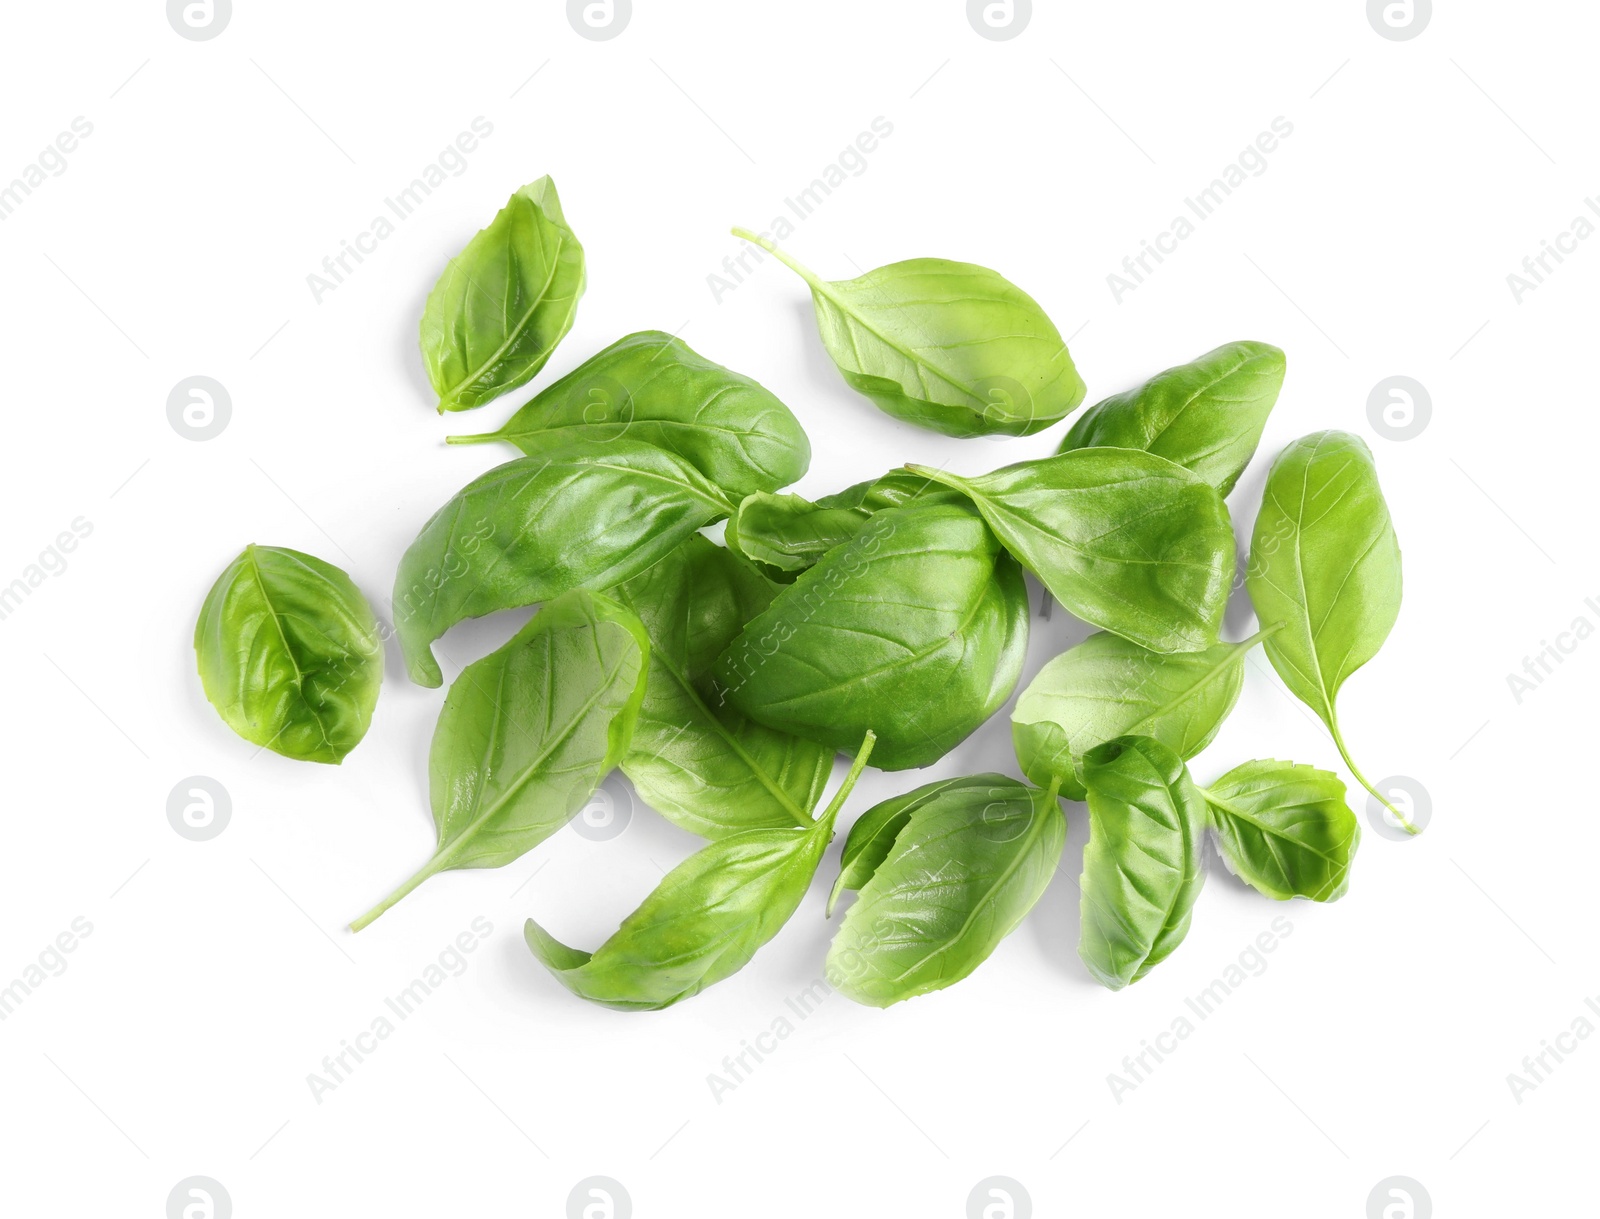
528 732
704 921
1141 868
504 302
1325 561
586 516
289 654
702 765
1106 687
652 387
1285 829
1128 541
945 345
1206 415
915 630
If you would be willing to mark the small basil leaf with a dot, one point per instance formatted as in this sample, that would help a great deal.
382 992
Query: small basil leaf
875 830
528 732
504 302
704 921
1206 415
1285 829
915 629
653 387
703 766
1106 687
1325 560
945 345
785 535
587 516
1128 541
1141 868
289 654
971 860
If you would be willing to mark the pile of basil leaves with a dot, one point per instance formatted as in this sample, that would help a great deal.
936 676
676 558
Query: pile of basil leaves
888 620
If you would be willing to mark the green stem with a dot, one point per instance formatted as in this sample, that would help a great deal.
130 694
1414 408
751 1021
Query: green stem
475 438
432 867
839 797
802 271
1265 632
1344 753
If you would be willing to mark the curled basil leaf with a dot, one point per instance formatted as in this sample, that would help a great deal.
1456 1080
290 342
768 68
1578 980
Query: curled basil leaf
946 345
289 654
1284 829
1206 415
704 921
652 387
969 861
1325 560
587 516
915 629
1141 868
528 732
504 302
1128 541
699 763
1106 687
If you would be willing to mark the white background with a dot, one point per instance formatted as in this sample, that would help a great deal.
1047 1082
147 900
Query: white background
177 242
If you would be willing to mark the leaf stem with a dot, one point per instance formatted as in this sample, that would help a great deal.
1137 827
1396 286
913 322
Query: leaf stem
804 272
1344 753
839 797
432 867
1265 632
474 438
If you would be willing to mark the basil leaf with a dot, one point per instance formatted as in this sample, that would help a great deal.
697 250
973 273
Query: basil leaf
703 766
652 387
874 832
587 516
915 629
1325 560
289 654
504 302
968 864
1127 541
1106 687
528 732
1285 829
1141 868
704 921
1206 415
945 345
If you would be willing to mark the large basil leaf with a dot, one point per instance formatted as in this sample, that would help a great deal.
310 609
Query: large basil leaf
915 630
652 387
1141 868
700 764
1128 541
1107 687
945 345
289 654
970 861
704 921
504 302
1285 829
1206 415
528 732
587 516
1326 562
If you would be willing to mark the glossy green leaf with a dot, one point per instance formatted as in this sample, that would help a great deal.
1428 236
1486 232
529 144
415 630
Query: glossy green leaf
289 654
704 921
1128 541
945 345
1141 868
1326 562
701 764
528 732
969 862
504 302
1107 687
1285 829
586 516
652 387
1206 416
915 630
